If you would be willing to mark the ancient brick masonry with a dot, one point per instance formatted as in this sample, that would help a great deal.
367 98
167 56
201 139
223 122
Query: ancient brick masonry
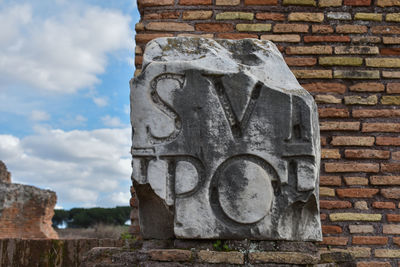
25 211
346 54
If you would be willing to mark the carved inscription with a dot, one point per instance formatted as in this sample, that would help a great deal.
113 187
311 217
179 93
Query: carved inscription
171 80
238 114
225 143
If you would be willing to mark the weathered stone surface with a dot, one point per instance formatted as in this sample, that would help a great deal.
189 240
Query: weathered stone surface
5 176
51 252
283 257
26 211
225 143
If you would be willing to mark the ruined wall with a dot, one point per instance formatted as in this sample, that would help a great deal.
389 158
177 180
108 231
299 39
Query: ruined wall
345 53
25 211
47 252
5 176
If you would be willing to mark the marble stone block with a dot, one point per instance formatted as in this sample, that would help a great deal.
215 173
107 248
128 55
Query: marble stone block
225 143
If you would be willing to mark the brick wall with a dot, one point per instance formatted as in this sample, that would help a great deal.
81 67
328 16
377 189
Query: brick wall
346 54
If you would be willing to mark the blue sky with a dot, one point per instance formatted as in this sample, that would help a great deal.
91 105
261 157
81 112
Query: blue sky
65 66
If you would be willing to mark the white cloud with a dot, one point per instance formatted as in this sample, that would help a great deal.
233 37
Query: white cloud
100 101
39 115
120 197
85 168
112 121
62 53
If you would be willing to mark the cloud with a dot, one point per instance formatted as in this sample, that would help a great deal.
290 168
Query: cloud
120 197
112 121
39 115
62 53
100 101
85 168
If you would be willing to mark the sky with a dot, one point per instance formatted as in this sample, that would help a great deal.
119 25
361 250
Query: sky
65 67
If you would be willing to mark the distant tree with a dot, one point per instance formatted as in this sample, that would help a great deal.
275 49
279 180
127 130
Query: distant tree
84 218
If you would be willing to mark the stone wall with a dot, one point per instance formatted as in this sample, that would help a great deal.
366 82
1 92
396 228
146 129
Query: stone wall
206 253
345 53
5 176
46 252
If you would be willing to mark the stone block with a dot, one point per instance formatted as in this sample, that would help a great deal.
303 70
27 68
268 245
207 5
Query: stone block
233 257
359 100
339 15
218 149
282 257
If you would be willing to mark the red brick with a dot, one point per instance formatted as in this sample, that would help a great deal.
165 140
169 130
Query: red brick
367 87
370 240
357 2
163 15
396 241
290 28
390 167
393 218
170 254
138 60
270 16
372 113
373 264
353 140
333 113
385 180
351 167
334 204
323 216
383 205
386 29
169 26
388 141
145 3
146 37
390 51
330 180
331 229
261 2
366 154
328 38
214 27
325 87
301 61
235 36
323 141
396 155
322 29
356 180
392 193
339 126
351 28
357 192
195 2
381 127
335 240
393 88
